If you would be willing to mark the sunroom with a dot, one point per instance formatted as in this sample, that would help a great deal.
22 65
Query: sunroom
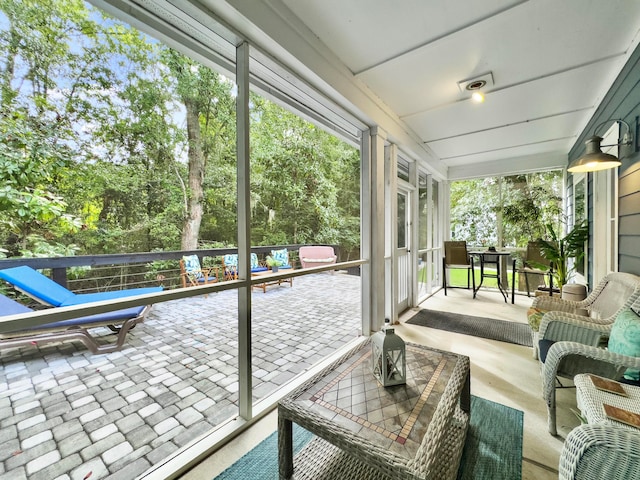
394 82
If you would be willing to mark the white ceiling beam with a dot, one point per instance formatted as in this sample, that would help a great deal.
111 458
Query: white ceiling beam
510 166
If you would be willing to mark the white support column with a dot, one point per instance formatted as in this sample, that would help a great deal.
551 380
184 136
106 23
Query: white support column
445 197
366 207
244 230
391 231
434 233
414 228
376 260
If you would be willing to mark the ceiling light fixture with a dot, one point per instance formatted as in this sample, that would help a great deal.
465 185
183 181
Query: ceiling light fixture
477 97
594 160
475 84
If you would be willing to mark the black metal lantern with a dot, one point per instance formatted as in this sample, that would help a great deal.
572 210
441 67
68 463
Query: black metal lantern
388 353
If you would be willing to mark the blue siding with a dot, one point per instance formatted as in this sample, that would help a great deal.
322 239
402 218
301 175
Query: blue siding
622 101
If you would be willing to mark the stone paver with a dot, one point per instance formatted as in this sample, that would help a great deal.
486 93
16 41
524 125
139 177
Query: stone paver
66 414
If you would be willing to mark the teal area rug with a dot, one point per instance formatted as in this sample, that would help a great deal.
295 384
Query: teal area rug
493 449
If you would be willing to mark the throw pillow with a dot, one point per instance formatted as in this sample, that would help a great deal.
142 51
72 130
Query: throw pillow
625 338
534 317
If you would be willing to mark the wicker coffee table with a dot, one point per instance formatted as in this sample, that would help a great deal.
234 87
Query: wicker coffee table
412 431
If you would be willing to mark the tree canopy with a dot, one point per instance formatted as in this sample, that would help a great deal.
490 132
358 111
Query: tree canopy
112 142
506 211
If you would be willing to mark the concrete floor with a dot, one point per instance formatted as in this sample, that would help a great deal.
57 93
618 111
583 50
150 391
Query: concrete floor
500 372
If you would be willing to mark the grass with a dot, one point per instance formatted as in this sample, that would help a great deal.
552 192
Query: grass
458 278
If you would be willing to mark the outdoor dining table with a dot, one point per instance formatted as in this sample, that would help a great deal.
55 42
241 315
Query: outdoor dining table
492 257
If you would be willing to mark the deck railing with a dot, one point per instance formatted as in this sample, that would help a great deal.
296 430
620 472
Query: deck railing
128 270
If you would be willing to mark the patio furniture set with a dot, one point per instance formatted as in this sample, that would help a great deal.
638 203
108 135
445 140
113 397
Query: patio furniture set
192 274
598 337
493 265
51 294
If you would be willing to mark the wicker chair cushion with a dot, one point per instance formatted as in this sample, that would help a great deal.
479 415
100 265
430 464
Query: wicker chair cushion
625 338
543 348
534 316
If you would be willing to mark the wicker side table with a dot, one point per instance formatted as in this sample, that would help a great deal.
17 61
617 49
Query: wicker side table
590 401
366 431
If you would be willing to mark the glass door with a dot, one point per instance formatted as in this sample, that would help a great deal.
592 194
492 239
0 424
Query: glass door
402 250
429 237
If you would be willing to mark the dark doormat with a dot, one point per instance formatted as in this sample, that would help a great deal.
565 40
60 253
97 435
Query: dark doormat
501 330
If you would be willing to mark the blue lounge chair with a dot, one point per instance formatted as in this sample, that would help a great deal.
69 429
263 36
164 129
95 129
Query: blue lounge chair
73 329
44 290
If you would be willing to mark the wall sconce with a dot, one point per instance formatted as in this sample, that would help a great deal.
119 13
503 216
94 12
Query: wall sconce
594 160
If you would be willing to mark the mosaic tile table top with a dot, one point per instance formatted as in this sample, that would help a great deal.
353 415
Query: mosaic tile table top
347 406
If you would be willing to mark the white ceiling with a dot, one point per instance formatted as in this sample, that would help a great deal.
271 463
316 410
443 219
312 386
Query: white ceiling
552 62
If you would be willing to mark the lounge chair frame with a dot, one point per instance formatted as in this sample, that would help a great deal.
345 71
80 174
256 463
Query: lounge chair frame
80 332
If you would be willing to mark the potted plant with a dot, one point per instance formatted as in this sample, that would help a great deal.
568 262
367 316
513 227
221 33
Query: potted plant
273 263
559 250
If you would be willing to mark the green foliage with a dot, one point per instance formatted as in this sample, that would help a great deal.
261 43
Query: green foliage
95 156
160 270
559 250
305 182
521 204
272 262
38 246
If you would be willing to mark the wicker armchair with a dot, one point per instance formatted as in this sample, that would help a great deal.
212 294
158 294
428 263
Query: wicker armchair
614 293
576 347
567 359
592 452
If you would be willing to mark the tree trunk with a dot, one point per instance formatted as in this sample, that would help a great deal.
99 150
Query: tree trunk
193 218
8 94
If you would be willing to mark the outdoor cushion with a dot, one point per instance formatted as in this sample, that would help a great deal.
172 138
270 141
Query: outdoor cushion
625 338
543 347
319 260
255 264
45 290
33 282
534 316
192 273
80 298
192 266
281 256
231 260
9 306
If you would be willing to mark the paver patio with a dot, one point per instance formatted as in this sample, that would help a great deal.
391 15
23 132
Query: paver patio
65 413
